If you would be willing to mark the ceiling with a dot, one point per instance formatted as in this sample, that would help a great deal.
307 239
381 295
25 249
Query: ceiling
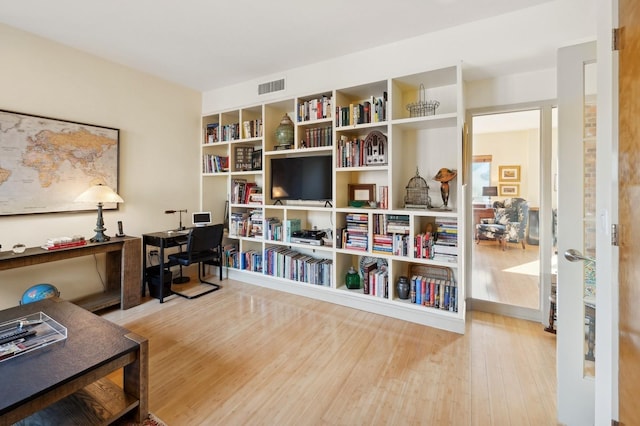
207 44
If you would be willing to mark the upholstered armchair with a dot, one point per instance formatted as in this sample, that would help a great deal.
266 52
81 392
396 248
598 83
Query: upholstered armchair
509 224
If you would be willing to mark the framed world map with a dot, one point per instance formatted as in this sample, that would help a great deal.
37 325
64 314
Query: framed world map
45 163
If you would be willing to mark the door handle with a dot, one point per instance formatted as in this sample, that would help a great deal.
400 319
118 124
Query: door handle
573 255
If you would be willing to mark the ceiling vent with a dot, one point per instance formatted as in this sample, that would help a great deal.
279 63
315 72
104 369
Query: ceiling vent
271 86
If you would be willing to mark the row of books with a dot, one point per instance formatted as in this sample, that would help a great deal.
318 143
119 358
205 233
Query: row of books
215 163
315 109
390 224
252 128
318 136
350 153
375 279
372 110
250 260
283 262
422 245
246 224
275 230
216 133
435 293
391 244
243 192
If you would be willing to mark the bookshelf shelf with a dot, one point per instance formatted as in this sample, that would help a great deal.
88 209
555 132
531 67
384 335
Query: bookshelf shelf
323 122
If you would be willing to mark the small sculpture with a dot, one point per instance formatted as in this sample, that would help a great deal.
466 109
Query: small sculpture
445 176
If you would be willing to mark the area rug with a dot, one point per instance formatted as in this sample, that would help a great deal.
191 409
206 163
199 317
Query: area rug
151 420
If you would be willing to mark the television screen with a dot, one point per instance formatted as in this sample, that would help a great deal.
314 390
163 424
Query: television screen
301 178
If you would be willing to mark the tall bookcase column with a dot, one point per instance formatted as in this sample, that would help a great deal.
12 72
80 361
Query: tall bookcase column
214 167
384 220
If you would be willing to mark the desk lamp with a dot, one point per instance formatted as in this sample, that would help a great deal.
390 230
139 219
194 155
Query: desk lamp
179 212
99 194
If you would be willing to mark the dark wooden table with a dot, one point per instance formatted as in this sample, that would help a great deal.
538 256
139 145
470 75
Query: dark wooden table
64 383
123 271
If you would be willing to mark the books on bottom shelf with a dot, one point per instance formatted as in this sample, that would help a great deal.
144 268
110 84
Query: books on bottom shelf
282 262
434 293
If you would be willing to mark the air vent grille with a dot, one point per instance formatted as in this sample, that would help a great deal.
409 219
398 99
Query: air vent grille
271 86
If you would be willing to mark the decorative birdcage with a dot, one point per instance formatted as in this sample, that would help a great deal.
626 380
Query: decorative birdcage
417 193
422 107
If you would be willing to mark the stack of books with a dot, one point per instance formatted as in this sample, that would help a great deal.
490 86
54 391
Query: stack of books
357 232
64 242
445 245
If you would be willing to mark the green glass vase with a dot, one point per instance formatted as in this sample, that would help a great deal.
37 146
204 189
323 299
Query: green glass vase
352 279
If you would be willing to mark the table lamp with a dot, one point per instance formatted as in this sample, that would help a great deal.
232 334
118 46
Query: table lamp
99 194
489 191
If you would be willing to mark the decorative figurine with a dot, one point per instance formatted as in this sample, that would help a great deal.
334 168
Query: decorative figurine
445 176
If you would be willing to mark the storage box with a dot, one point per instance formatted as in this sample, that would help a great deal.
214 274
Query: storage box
153 282
42 330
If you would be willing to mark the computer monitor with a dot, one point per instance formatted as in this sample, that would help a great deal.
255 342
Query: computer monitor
201 218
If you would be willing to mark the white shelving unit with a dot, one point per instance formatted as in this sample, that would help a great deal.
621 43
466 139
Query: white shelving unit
424 144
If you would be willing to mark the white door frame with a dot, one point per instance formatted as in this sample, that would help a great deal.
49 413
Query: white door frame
545 215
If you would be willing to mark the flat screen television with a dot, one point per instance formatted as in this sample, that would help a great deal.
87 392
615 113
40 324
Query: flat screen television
302 178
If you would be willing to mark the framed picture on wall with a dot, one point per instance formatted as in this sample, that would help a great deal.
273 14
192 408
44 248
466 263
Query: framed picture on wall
509 190
509 173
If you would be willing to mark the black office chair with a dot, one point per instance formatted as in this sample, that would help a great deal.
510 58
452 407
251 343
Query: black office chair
204 245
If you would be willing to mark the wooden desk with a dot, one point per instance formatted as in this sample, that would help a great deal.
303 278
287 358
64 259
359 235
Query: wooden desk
162 240
65 383
122 269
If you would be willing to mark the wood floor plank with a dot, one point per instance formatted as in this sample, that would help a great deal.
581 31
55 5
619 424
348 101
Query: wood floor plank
251 355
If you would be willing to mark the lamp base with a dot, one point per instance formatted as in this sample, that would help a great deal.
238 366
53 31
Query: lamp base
100 238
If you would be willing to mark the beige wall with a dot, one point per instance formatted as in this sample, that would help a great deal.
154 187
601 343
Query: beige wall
159 126
521 148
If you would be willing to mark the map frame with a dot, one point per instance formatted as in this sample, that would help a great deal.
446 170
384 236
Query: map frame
62 204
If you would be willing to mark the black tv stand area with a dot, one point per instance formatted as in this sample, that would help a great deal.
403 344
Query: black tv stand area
278 202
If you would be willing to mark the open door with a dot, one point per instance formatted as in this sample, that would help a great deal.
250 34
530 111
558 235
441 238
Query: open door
576 231
628 201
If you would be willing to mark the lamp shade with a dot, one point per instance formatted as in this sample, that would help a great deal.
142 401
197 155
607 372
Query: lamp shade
489 191
99 194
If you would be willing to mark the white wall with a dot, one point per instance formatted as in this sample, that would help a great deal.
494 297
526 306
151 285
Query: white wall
159 126
506 46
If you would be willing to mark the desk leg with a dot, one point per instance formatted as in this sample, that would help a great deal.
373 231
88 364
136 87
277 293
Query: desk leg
143 290
136 377
161 263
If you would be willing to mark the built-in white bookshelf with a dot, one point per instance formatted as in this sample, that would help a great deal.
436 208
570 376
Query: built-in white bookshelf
332 124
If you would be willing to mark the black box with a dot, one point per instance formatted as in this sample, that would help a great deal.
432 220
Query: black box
153 282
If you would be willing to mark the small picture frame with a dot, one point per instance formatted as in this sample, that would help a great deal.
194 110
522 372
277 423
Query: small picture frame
509 190
362 192
256 160
509 173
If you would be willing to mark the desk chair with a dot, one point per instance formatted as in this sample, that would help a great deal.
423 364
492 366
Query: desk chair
204 245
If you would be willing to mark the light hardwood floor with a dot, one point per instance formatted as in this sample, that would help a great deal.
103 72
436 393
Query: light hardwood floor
251 355
492 279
